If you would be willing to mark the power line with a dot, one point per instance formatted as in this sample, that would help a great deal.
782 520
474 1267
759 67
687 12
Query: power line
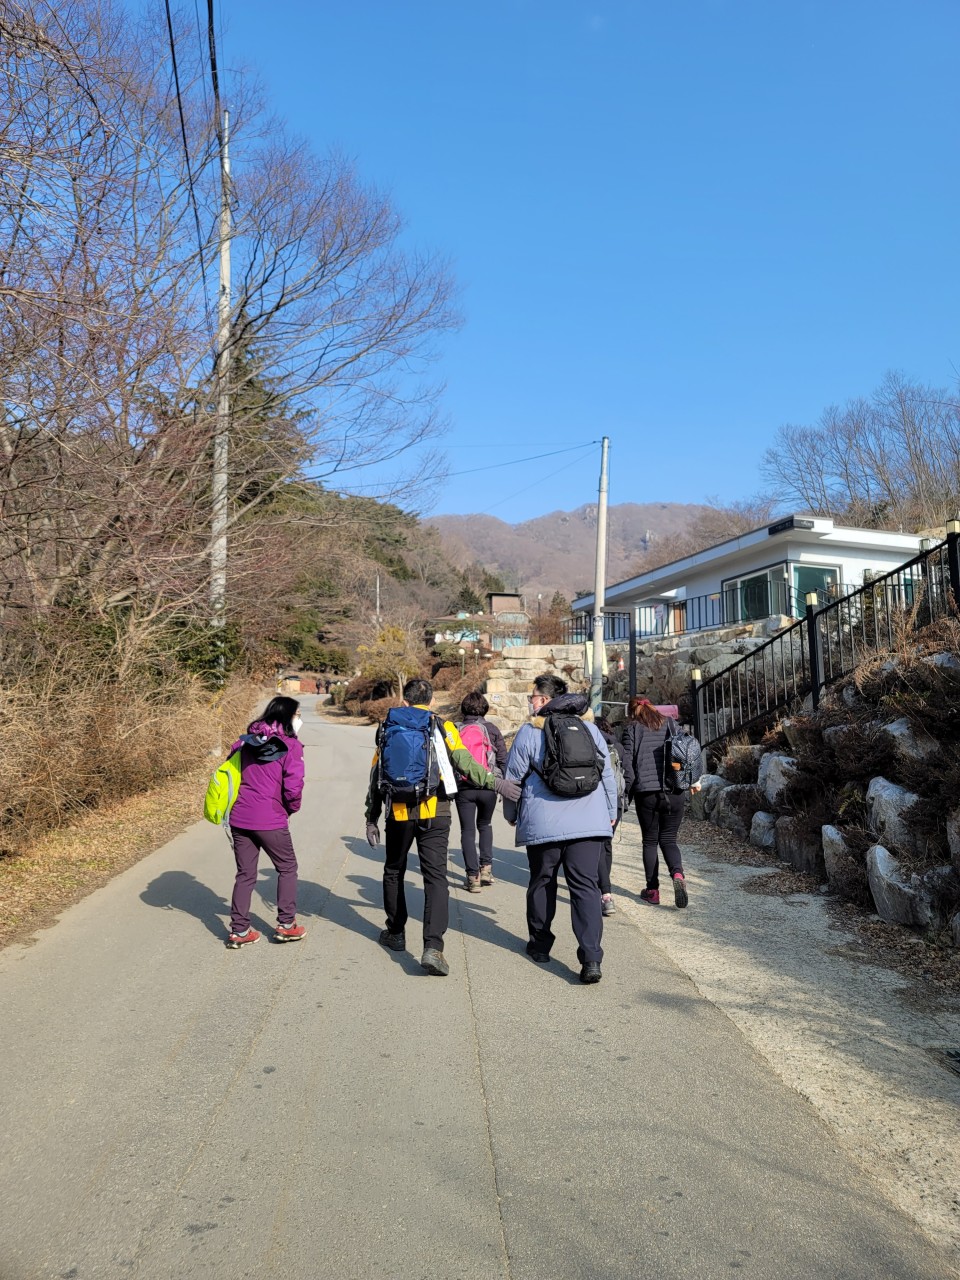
186 153
515 462
215 79
549 476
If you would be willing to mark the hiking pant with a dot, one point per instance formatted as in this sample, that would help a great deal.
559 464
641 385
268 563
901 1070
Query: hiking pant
659 829
432 837
278 847
606 864
475 808
580 860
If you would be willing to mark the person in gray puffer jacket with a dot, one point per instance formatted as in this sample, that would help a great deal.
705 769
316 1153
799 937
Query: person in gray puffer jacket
647 774
557 830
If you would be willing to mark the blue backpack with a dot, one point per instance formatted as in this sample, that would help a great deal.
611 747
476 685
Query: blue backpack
408 770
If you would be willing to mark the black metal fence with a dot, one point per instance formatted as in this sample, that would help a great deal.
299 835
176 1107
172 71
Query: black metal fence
828 642
698 613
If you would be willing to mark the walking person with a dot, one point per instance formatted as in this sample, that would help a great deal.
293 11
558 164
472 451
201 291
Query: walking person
476 805
649 782
567 809
271 788
607 904
418 812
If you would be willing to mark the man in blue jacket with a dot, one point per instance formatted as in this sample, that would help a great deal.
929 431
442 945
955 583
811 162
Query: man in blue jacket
558 830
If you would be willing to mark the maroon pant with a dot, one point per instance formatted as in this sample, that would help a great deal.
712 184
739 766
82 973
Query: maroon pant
278 847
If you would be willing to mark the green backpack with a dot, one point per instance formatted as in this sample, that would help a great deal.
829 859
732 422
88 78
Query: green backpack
222 790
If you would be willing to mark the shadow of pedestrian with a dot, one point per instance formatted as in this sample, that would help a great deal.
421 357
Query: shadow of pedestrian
180 891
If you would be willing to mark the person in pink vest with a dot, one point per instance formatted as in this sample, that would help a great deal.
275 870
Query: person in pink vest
475 805
271 788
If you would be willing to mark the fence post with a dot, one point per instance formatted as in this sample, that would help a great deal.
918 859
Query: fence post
953 558
696 682
814 649
634 645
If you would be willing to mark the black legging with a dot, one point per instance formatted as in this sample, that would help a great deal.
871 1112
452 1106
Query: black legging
659 829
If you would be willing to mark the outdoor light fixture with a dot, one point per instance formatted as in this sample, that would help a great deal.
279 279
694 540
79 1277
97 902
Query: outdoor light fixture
463 658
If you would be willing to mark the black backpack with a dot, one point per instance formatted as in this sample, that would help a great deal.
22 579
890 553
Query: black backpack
572 763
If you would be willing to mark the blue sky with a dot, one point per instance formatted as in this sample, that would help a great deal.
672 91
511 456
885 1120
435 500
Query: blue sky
680 224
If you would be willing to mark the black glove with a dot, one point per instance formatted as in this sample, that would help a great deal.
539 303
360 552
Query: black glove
507 788
373 835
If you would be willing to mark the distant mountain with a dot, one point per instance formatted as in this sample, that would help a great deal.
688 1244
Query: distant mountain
557 551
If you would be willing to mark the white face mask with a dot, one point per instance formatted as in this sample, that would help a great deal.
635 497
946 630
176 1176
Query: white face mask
297 724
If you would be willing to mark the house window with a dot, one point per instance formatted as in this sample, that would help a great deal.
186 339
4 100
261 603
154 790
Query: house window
810 577
756 595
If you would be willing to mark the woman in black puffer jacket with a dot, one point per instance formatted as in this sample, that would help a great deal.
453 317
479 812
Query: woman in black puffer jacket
659 807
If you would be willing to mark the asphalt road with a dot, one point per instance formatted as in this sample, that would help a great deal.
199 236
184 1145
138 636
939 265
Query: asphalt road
326 1109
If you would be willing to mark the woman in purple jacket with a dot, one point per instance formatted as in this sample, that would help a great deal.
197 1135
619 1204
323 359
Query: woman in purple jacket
271 786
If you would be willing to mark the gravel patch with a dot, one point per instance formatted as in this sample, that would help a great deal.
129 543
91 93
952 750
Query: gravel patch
859 1020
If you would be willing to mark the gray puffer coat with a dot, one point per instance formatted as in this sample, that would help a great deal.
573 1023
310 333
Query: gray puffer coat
543 817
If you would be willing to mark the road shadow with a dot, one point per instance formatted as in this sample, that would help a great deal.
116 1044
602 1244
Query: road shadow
180 891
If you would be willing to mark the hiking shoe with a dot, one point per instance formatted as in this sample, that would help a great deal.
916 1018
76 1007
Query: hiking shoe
434 962
486 876
679 889
472 884
651 896
393 941
291 932
237 940
607 904
534 952
590 972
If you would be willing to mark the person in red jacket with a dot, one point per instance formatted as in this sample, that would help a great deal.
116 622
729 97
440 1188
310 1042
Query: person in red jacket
271 787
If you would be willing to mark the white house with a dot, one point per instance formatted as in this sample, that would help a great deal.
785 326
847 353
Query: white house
753 576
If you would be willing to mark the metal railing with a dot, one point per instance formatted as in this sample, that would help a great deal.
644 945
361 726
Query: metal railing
729 608
828 642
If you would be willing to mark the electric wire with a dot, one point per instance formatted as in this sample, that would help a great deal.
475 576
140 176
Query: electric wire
186 149
549 476
493 466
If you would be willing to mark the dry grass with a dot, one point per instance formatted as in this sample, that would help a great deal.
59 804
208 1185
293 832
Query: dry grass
63 866
78 811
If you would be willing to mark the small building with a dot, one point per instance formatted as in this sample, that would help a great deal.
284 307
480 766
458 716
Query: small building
766 572
504 625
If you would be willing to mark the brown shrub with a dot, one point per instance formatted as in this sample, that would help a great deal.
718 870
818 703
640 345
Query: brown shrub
72 739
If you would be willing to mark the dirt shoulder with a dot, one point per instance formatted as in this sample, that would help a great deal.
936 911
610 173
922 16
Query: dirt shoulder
861 1028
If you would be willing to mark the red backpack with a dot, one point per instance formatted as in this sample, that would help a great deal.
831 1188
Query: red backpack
477 741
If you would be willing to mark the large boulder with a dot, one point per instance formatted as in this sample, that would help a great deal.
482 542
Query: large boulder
936 897
953 836
740 760
775 775
888 810
893 895
703 802
908 745
734 809
836 853
796 845
763 831
948 663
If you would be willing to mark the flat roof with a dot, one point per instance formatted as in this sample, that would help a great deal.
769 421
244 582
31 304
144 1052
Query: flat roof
801 526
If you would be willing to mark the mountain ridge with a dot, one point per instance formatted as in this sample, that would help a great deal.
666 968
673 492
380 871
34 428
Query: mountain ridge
557 551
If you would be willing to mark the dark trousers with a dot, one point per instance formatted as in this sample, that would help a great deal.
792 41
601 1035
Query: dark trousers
432 839
475 808
580 860
278 847
659 829
606 864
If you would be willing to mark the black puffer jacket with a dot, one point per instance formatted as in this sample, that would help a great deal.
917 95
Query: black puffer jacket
643 756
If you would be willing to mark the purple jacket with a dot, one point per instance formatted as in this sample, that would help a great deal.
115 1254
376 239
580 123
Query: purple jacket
271 778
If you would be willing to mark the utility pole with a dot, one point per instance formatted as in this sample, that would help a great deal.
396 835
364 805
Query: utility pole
221 438
599 582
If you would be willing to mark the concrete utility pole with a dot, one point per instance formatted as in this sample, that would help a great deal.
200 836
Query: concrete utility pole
221 439
599 582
